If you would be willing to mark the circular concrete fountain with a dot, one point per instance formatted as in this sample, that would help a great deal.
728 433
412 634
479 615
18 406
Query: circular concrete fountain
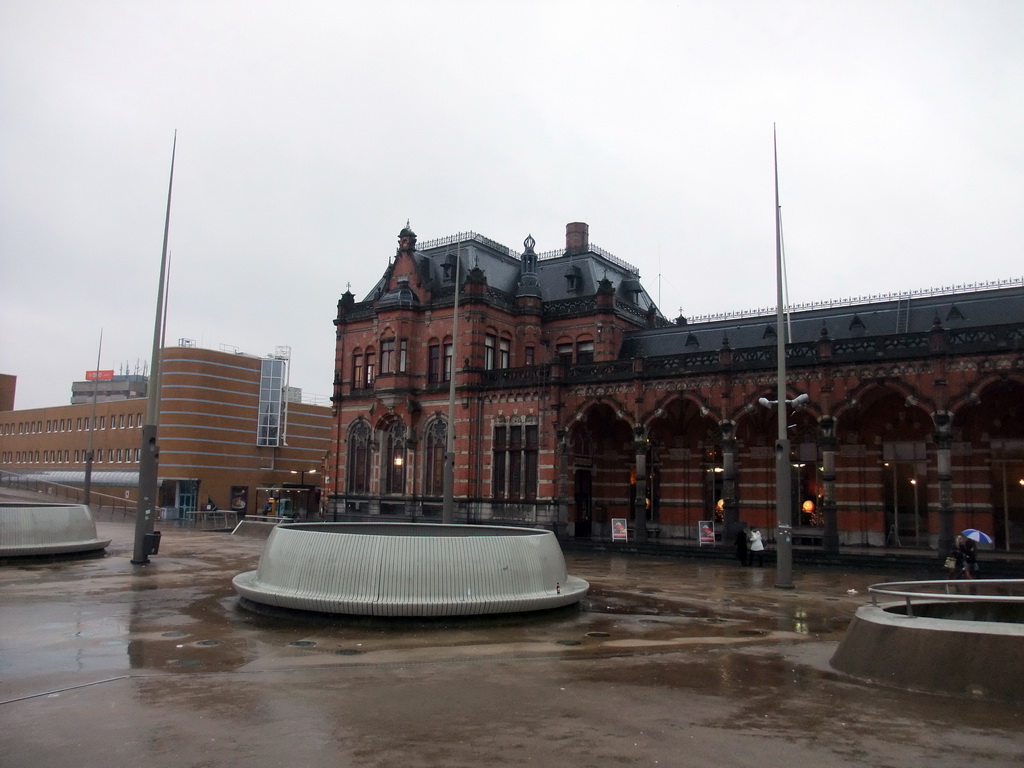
411 569
33 530
959 638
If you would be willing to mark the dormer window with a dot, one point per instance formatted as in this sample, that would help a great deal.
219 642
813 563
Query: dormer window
448 267
632 289
574 280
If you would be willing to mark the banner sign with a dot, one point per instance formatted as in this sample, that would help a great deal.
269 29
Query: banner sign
707 532
619 530
99 375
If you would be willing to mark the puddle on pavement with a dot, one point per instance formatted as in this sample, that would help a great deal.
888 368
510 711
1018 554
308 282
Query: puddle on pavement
608 622
179 617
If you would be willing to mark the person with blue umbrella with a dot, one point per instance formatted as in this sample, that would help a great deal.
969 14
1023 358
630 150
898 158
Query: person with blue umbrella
972 536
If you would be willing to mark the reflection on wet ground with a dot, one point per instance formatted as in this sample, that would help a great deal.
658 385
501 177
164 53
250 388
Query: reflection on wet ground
664 646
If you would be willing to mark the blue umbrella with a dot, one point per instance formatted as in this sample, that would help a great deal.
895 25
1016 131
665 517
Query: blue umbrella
979 536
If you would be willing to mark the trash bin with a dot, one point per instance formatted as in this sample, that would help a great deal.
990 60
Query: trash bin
152 543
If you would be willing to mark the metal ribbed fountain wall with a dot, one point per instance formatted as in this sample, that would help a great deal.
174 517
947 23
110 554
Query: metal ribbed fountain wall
47 529
408 569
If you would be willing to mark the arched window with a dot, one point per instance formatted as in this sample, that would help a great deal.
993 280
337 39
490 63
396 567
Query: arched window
387 355
359 458
393 459
449 354
490 350
439 361
436 448
434 361
370 358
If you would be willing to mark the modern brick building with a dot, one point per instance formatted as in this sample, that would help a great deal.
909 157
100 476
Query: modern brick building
228 432
576 403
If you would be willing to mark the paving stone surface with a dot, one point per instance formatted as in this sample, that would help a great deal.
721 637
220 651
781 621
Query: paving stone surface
668 662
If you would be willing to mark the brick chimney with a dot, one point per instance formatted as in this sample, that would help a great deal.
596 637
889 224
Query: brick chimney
577 237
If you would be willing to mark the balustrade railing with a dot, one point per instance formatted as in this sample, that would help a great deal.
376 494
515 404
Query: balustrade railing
99 503
969 590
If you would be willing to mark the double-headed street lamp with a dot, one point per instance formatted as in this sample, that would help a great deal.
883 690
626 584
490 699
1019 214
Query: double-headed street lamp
302 474
302 484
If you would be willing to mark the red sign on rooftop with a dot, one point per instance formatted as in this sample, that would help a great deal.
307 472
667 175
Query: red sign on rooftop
99 375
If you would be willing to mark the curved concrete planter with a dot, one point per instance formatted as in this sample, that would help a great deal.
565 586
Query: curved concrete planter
47 529
939 650
408 569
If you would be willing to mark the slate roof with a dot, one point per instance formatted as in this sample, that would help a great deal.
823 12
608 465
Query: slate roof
503 269
912 313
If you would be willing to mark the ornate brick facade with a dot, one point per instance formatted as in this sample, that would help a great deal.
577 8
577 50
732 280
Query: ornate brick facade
576 402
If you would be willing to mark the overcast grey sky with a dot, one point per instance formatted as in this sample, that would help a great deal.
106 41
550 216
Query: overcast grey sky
309 132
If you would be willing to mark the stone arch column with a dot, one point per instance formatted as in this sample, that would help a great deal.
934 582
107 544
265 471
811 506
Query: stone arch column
827 441
730 500
640 510
562 483
943 421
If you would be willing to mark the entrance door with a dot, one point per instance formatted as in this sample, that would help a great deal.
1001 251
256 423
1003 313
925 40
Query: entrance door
188 495
584 501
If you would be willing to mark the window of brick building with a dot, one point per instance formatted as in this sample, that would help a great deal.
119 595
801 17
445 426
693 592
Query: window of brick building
359 454
371 367
448 353
436 448
434 363
393 459
357 369
514 465
490 347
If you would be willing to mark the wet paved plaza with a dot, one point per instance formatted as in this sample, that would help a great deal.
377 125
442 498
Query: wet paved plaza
667 662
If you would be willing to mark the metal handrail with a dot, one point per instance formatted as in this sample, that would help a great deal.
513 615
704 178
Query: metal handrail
908 591
99 501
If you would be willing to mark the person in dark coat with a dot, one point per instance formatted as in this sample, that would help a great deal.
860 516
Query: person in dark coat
741 545
970 558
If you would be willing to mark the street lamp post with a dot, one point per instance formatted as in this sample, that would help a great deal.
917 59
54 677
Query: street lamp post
895 532
917 515
89 454
784 491
149 460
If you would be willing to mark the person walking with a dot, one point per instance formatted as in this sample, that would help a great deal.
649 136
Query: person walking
963 560
970 558
756 543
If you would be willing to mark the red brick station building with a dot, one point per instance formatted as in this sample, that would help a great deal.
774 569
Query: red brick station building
577 402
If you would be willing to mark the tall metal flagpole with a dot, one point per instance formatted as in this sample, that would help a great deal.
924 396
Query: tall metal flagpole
448 505
87 486
148 462
783 493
